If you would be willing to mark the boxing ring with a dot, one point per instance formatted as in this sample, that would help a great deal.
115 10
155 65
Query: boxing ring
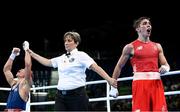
107 98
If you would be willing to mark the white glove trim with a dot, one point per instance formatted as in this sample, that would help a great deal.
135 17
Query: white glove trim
25 45
12 56
166 68
113 92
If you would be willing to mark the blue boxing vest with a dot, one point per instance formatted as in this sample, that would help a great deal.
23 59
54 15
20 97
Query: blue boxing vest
14 100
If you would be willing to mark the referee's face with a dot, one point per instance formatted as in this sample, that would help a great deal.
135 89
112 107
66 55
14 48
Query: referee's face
69 43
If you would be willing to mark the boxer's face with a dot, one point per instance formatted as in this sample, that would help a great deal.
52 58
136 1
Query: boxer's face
20 73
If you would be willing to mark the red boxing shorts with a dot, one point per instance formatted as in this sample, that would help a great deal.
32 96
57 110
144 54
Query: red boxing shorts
148 92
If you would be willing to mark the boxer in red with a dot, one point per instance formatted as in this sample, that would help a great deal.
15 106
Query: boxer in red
145 57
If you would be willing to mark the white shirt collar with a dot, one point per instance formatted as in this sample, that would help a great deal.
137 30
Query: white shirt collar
74 51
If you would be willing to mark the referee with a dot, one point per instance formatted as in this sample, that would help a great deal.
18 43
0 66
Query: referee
71 94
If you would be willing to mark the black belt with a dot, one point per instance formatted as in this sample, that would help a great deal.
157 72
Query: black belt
71 92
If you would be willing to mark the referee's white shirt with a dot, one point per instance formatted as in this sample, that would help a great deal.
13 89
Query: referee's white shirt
72 69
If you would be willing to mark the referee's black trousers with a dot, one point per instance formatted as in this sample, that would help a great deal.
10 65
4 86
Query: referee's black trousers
71 100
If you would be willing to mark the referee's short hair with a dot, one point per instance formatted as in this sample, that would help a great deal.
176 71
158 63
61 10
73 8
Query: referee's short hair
74 35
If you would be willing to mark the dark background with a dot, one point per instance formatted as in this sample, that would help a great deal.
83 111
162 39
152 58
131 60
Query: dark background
104 29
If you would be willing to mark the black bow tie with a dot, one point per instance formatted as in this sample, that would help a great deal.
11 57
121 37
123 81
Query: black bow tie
68 54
